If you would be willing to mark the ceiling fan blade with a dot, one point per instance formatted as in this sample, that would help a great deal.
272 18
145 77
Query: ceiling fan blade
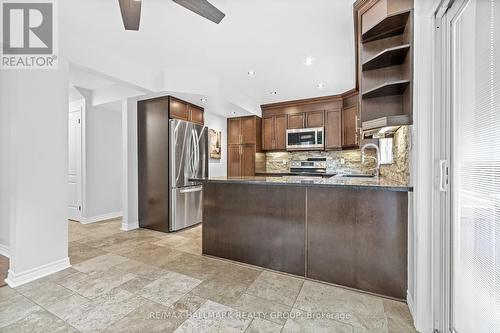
131 13
203 8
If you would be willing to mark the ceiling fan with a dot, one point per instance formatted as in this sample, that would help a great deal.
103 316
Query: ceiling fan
131 11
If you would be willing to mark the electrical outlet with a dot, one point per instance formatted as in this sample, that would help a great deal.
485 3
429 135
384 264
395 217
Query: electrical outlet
342 161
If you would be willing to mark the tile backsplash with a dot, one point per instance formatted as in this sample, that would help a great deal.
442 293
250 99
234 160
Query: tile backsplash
350 160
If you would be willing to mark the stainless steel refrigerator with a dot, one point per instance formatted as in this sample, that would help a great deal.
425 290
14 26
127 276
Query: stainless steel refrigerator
188 158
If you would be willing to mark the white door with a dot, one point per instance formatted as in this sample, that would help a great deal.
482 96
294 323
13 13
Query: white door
475 166
74 164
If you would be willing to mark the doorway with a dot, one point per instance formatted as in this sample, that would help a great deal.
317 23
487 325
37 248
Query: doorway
75 161
468 45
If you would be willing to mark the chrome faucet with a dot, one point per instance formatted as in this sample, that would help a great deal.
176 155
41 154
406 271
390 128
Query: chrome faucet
374 146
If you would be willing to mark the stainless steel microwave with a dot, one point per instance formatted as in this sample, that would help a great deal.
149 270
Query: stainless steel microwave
305 139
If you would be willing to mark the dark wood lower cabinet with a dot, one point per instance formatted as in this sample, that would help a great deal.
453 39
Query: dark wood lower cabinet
351 237
241 160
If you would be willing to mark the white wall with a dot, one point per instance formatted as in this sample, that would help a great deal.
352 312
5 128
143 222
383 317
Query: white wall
218 168
5 132
103 162
34 168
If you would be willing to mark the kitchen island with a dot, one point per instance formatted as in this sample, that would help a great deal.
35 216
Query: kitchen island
347 231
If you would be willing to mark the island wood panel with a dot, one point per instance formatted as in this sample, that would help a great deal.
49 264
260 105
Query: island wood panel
257 225
358 238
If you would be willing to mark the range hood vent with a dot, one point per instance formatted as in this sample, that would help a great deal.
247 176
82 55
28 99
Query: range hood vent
384 127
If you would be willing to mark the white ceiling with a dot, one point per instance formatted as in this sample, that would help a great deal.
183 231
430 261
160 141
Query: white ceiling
271 37
84 79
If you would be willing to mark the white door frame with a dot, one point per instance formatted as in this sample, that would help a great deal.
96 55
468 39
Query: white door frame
443 145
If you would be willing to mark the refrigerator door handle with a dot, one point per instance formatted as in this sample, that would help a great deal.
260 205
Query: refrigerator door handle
192 189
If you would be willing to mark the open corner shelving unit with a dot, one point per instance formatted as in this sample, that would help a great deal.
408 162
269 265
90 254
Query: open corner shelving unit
385 58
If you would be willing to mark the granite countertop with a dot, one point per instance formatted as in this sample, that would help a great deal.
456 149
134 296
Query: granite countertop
336 181
279 174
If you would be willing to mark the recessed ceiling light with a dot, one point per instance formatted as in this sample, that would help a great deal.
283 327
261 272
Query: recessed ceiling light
274 93
204 100
320 86
309 61
251 73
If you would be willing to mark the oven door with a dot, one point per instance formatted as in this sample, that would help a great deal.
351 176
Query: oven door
301 139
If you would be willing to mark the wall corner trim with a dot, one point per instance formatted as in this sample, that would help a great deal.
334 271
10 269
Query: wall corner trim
4 250
100 218
130 226
17 279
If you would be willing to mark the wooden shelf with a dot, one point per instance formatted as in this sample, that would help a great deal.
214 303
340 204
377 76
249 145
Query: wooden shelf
387 89
387 121
389 26
389 57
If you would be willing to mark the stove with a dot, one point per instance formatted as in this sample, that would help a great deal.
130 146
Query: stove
312 166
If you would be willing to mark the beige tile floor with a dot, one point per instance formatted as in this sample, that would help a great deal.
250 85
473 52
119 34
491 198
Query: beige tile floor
146 281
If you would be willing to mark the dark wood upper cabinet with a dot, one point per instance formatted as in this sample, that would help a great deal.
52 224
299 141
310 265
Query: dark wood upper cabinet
350 127
244 130
196 114
234 131
274 132
244 141
179 109
337 114
297 120
249 130
280 123
268 133
333 129
315 119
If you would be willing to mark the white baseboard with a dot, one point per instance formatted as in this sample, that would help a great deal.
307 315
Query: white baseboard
130 226
99 218
16 279
4 251
411 305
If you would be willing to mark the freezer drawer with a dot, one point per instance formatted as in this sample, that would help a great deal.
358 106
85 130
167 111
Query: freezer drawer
186 207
